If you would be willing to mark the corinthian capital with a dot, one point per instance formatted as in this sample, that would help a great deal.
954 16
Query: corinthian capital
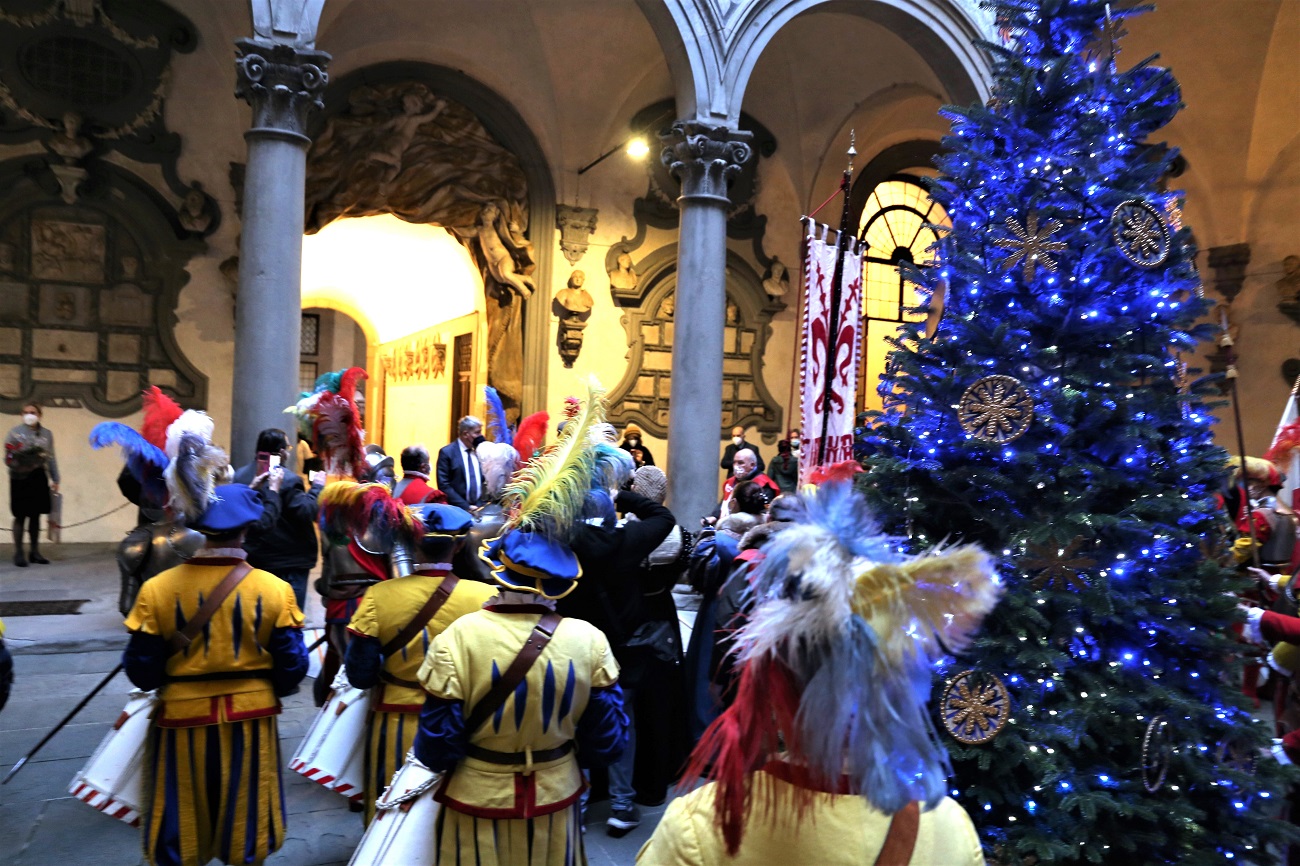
282 83
705 158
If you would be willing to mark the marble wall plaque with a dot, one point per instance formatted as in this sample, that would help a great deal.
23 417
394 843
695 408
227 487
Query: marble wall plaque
65 346
123 349
13 302
67 251
11 376
64 305
62 375
11 341
125 305
121 386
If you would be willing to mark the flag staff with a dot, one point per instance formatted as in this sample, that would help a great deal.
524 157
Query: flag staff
837 299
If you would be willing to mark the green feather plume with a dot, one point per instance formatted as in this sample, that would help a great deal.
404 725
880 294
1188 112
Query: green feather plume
546 494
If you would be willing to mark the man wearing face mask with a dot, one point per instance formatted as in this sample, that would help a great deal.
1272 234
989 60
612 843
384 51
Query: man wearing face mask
738 443
632 444
33 476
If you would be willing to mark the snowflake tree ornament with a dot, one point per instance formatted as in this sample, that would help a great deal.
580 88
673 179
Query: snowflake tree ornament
1030 247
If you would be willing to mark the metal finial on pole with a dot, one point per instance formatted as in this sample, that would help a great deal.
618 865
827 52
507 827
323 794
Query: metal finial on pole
853 149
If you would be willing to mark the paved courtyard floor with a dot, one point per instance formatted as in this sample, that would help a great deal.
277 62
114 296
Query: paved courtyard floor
59 659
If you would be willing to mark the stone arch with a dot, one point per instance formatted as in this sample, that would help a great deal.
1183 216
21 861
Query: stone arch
711 51
507 126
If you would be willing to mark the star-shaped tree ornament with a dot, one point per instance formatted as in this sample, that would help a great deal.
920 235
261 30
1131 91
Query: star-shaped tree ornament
1058 567
1030 246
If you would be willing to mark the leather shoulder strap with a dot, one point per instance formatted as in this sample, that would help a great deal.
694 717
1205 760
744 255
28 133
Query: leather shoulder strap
182 639
538 638
423 616
901 840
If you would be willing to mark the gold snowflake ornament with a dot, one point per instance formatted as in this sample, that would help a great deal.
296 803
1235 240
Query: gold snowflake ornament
1030 247
975 707
996 409
1058 567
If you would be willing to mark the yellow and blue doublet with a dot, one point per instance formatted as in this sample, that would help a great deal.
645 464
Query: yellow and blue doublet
213 783
383 612
512 786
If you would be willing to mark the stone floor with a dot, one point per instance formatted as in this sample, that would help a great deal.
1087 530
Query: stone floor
59 659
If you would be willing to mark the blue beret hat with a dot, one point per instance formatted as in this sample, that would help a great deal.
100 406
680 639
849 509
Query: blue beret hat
443 521
532 562
233 506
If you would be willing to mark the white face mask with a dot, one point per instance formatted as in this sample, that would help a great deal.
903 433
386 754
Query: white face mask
737 439
31 420
794 446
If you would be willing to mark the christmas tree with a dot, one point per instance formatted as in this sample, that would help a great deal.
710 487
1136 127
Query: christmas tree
1046 415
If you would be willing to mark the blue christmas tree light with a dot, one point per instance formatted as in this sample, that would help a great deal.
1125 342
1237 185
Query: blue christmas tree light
1046 418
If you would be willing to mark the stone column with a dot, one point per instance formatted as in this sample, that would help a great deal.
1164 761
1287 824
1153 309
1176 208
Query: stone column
705 159
283 85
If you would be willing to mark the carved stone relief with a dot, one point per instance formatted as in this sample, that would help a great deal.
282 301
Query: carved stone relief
643 396
400 148
576 225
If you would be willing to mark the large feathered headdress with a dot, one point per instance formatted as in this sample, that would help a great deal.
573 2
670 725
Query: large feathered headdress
547 493
149 452
497 456
329 419
834 661
193 464
349 509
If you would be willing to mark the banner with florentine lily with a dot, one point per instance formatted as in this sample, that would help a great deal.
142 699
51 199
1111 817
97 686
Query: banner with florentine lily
829 350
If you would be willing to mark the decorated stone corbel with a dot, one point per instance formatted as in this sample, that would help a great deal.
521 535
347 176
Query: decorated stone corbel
576 225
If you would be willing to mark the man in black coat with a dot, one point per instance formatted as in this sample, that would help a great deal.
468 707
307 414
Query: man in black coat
738 444
612 595
283 542
459 472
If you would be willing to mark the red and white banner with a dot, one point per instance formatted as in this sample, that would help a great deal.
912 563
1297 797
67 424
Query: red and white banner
829 413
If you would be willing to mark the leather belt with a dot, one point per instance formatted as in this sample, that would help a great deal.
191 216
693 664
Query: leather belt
492 756
262 674
386 677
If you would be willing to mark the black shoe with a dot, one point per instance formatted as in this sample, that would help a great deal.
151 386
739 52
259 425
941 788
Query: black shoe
622 821
19 560
35 557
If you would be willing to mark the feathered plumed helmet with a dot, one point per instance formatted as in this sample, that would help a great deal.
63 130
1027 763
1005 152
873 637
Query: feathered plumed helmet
544 501
328 418
834 662
368 513
172 457
497 456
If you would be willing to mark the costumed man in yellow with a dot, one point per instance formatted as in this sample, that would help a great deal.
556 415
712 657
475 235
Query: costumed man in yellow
222 642
521 699
827 754
392 630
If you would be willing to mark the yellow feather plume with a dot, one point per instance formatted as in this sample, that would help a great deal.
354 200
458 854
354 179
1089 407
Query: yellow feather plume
547 493
941 595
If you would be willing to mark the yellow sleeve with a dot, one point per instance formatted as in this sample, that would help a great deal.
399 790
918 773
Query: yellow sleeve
141 617
674 842
290 615
365 621
604 669
438 672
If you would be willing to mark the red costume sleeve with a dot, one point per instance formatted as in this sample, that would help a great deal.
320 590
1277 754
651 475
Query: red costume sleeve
1280 627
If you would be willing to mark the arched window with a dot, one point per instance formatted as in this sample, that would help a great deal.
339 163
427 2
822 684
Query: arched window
896 226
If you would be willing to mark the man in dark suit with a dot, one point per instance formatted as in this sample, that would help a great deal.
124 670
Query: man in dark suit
460 475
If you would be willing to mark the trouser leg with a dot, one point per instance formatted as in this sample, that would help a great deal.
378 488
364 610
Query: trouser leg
621 791
34 533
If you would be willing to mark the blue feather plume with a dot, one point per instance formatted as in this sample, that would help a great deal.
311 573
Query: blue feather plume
497 428
144 460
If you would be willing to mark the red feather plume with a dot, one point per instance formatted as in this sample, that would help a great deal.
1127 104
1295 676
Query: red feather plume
843 471
531 435
348 384
1288 440
337 434
160 411
741 740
